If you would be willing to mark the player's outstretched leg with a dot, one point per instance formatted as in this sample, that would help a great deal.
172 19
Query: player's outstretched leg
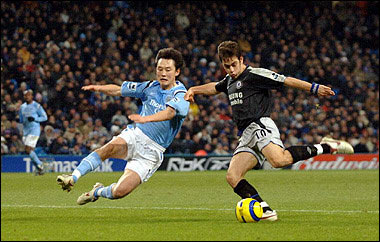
90 196
88 164
116 148
338 146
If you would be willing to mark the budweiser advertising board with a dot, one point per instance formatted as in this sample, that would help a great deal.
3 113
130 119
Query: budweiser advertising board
339 162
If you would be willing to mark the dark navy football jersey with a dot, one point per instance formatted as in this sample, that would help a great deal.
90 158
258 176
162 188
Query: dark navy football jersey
250 94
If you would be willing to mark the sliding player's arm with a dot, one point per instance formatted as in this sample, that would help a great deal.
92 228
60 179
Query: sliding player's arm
110 89
163 115
175 107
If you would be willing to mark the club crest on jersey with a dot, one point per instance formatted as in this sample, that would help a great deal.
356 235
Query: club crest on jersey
238 85
132 86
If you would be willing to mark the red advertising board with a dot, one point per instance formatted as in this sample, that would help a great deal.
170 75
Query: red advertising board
339 162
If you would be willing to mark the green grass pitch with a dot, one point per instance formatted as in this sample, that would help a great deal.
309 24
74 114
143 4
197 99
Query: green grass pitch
193 206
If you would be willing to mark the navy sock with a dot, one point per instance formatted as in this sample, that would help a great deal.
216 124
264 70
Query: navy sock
246 190
303 152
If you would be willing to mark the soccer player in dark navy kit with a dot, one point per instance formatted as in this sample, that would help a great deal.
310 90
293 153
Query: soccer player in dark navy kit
249 93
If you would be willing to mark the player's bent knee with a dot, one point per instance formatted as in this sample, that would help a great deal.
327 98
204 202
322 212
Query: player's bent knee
278 163
106 151
232 179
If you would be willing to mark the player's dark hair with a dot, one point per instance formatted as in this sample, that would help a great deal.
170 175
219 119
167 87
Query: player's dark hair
229 49
170 53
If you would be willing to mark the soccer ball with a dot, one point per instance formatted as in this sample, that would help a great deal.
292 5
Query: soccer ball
248 210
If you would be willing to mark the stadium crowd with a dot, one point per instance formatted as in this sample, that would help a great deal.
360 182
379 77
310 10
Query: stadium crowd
55 48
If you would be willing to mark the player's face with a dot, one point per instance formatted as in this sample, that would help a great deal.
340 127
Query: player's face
233 66
166 73
28 97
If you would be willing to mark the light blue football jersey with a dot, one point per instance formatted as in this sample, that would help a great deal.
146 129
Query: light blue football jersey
36 111
155 99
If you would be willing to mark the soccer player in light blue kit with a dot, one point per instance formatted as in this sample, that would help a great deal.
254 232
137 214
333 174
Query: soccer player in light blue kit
31 114
142 145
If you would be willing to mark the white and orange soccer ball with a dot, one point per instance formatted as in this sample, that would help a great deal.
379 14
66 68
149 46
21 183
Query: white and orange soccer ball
248 210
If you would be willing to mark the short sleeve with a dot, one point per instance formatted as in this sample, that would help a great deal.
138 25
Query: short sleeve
179 104
268 79
134 89
221 86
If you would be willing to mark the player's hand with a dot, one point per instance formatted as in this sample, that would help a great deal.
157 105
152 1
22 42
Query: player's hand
189 96
137 118
325 91
93 88
30 119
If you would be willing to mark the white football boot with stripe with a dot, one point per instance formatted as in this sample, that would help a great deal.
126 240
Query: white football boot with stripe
269 215
338 146
89 196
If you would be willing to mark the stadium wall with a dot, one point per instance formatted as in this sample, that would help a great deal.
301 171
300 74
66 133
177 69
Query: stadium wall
67 163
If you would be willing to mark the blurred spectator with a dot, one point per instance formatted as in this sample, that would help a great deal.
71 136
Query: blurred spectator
59 146
102 131
188 144
219 150
120 117
76 150
16 142
5 122
182 20
13 150
208 149
69 133
145 52
361 147
4 147
87 128
197 145
176 146
47 136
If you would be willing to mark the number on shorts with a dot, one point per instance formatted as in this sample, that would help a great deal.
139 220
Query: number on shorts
261 134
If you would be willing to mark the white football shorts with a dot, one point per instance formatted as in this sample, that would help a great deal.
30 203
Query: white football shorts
30 140
258 135
144 155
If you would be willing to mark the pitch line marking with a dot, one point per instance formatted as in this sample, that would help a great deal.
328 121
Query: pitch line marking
176 208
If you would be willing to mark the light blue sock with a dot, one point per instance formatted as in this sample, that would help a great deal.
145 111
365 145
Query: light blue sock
104 192
35 159
89 163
